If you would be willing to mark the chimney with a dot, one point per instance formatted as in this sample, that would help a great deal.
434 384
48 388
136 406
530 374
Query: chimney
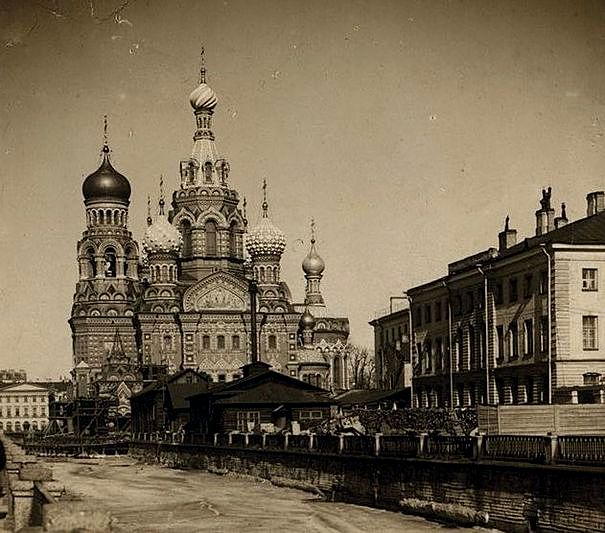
562 220
508 237
595 203
545 216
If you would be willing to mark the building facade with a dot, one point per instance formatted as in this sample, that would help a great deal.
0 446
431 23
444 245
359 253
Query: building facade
181 299
23 408
517 323
392 349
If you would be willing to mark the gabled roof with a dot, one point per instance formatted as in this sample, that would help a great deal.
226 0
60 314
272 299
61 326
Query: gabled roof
269 375
23 387
183 372
276 393
179 392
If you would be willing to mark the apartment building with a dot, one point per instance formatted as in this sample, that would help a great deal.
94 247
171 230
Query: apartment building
514 324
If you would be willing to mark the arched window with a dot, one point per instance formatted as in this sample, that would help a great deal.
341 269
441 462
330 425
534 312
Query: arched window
220 342
92 264
208 172
110 263
101 216
262 274
233 239
210 228
235 342
186 234
164 273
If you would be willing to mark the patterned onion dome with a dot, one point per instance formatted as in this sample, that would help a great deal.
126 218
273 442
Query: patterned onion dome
162 236
313 264
203 97
265 239
106 183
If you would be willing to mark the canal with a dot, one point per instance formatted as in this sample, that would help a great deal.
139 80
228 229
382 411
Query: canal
151 498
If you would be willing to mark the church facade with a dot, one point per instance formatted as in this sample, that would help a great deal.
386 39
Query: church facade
180 298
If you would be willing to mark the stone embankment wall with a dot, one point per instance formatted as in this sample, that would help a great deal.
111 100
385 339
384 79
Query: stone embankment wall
32 494
508 496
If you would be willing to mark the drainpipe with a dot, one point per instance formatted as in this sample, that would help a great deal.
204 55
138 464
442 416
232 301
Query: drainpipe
412 344
549 300
485 333
449 341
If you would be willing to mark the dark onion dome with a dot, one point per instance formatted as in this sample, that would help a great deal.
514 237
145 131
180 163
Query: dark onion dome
106 183
307 321
313 264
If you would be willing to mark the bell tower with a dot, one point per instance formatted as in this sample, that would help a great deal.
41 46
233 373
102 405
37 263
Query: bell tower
108 283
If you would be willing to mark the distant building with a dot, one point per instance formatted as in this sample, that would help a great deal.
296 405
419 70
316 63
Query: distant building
485 333
10 375
392 349
24 407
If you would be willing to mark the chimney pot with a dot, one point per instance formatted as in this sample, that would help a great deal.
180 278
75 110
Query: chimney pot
595 203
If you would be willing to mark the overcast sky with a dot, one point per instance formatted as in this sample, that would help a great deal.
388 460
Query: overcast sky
407 129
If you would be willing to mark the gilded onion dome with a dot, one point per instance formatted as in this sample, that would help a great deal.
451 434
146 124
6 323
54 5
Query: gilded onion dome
266 238
313 264
106 183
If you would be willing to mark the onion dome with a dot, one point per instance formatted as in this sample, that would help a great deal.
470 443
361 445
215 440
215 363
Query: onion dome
106 183
307 321
265 238
313 264
162 237
203 98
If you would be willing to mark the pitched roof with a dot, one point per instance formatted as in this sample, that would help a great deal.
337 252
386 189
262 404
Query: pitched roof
360 397
276 393
589 230
179 392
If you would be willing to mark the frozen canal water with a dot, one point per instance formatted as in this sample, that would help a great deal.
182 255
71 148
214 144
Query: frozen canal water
149 498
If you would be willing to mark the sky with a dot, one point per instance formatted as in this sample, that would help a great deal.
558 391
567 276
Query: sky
407 129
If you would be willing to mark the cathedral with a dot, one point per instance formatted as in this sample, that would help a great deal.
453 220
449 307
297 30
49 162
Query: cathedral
181 298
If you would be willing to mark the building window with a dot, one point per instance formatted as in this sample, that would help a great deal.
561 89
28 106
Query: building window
460 348
528 337
418 318
498 293
528 285
293 373
247 420
589 333
210 231
589 279
472 347
543 282
222 378
437 311
438 354
513 340
235 342
544 334
427 314
17 411
428 347
513 293
206 342
272 342
220 342
470 302
500 335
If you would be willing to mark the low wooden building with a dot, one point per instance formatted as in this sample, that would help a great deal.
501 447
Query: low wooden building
163 405
262 400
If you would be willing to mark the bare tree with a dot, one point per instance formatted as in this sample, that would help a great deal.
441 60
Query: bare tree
361 367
